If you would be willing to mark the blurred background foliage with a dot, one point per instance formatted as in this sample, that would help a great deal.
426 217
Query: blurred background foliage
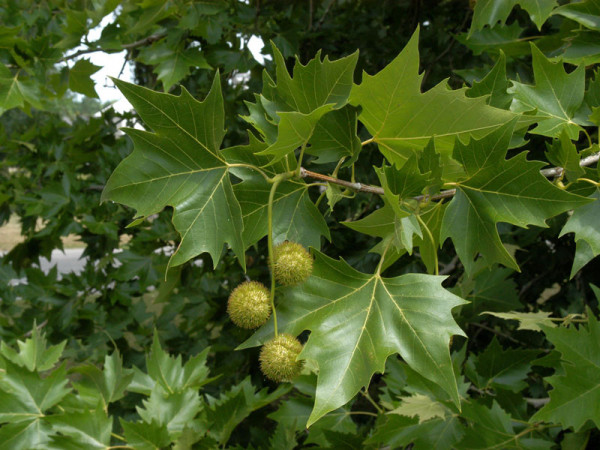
59 143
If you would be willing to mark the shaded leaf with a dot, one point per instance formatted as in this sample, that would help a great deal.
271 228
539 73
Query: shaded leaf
381 317
79 78
584 223
575 396
496 368
527 320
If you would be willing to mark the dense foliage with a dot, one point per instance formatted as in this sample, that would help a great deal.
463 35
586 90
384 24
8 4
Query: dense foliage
406 141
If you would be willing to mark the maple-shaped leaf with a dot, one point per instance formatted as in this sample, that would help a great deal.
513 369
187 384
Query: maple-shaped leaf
422 406
172 63
83 429
301 100
555 98
27 434
584 223
409 314
79 78
171 374
145 436
24 394
488 289
34 354
498 368
494 85
575 396
335 137
498 190
180 165
398 431
234 405
493 428
107 385
563 153
527 320
295 216
492 12
173 410
401 119
295 411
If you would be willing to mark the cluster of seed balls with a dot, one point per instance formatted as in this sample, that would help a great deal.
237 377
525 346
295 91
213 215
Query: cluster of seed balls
249 306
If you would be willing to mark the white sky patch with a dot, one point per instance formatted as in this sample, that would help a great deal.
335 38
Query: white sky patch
111 65
255 45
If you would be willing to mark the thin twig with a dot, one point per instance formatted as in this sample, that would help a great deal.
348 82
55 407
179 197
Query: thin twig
558 171
39 327
359 187
322 19
146 40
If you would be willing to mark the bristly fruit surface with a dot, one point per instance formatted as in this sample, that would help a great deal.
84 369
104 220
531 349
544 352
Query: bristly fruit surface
278 358
292 264
249 305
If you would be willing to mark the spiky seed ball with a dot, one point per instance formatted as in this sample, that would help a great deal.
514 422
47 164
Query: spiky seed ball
278 358
249 305
292 264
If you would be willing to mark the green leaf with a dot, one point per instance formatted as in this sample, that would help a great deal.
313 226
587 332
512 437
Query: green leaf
315 84
24 394
498 190
172 62
335 137
17 92
527 321
34 354
401 119
145 436
294 412
422 406
488 289
491 12
555 98
502 38
180 165
173 410
171 374
490 427
381 317
87 429
493 84
234 405
587 13
575 396
398 431
583 223
496 368
108 384
27 435
300 101
284 437
295 217
563 153
79 78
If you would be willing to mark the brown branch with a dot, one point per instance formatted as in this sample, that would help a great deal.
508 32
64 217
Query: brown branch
558 171
144 41
359 187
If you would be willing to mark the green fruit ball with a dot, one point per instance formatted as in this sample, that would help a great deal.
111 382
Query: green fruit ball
278 358
249 305
292 263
